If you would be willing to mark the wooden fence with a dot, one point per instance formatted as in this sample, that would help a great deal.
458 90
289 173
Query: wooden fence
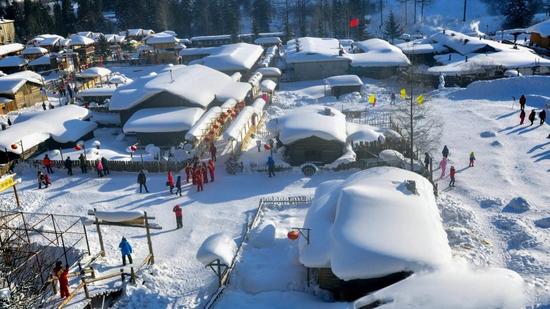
122 166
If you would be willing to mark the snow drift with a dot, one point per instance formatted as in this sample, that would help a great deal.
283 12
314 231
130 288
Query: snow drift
218 246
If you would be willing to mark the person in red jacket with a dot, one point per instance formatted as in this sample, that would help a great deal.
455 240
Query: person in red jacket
452 174
62 275
47 164
198 178
521 116
179 214
213 151
522 101
188 171
211 169
170 182
204 171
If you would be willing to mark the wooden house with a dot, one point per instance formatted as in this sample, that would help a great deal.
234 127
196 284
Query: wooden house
84 50
91 77
7 31
12 49
21 90
540 34
13 64
33 52
343 84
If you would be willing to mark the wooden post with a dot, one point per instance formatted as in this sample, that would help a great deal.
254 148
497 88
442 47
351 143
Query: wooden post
149 242
16 197
86 237
86 292
99 235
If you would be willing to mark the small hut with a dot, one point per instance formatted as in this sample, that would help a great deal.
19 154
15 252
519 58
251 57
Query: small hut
32 52
11 49
89 78
13 64
84 48
343 84
51 42
540 34
21 90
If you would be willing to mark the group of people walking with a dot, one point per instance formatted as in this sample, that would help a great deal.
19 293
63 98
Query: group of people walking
532 115
198 172
101 166
445 161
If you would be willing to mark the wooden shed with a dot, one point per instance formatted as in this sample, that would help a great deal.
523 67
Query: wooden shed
313 149
343 84
24 89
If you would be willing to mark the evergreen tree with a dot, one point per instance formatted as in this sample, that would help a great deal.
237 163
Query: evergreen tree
519 13
68 18
231 18
261 15
392 29
103 48
183 18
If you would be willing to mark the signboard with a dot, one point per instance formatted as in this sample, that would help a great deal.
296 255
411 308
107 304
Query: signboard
7 183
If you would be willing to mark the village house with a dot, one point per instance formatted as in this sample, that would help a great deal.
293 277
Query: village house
377 58
343 84
13 64
164 48
20 90
84 48
32 52
7 31
11 49
51 42
91 77
540 34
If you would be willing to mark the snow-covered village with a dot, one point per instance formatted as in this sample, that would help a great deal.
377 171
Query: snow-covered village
275 154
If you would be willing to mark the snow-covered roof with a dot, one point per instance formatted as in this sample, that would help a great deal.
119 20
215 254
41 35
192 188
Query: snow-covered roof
313 50
135 32
268 85
258 106
217 247
268 40
270 72
201 126
161 38
199 51
95 72
308 121
49 39
459 42
196 84
378 53
96 92
11 48
78 40
542 28
235 129
34 50
115 38
422 46
343 80
43 60
10 84
372 226
363 133
63 124
231 57
13 61
163 119
119 79
211 37
85 33
118 216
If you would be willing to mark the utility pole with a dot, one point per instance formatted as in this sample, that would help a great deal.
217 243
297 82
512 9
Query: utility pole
381 14
411 110
464 17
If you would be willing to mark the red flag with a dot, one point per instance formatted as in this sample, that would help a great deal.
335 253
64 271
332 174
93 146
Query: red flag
354 23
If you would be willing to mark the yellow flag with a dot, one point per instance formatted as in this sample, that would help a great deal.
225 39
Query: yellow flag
403 93
372 99
420 99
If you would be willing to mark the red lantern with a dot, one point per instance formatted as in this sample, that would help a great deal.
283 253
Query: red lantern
267 147
215 126
13 146
133 148
293 235
77 147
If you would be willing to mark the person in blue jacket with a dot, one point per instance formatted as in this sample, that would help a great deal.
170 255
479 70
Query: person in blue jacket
125 250
271 166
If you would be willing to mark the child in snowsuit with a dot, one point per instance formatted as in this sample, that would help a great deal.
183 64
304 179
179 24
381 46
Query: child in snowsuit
211 169
197 177
443 166
452 173
521 116
170 182
204 171
178 185
532 116
99 167
472 159
179 214
125 250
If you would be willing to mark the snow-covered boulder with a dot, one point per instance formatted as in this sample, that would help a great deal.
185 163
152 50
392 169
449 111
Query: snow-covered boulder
517 205
543 223
217 247
265 237
487 134
370 225
392 157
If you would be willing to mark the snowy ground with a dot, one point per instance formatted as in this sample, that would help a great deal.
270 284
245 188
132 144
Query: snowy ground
481 228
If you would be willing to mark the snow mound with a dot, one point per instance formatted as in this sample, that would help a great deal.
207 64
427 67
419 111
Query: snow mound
367 227
392 157
543 223
517 205
491 202
218 246
496 144
487 134
516 233
264 238
453 288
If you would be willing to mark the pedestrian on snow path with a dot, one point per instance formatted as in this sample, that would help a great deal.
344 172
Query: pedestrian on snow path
521 116
204 171
44 105
99 168
41 178
472 159
69 166
170 182
197 177
443 166
179 214
452 173
427 160
142 180
83 166
61 274
445 151
47 164
105 164
213 151
188 171
211 169
125 250
522 101
392 98
532 116
259 145
178 185
271 166
542 116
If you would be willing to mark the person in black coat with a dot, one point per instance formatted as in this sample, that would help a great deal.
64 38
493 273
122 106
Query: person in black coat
178 185
105 164
445 151
83 166
542 116
532 117
427 160
142 180
69 166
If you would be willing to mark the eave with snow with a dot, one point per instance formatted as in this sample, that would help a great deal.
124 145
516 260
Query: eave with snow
377 58
11 49
540 34
231 58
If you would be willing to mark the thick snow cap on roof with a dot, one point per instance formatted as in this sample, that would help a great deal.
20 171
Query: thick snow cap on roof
201 126
459 42
161 38
49 39
542 28
217 247
268 85
96 92
371 225
63 124
313 50
270 72
311 120
13 61
378 53
135 32
115 38
422 46
268 40
363 133
454 288
118 216
43 60
10 84
163 119
11 48
343 80
236 128
95 72
232 57
196 84
34 50
78 40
